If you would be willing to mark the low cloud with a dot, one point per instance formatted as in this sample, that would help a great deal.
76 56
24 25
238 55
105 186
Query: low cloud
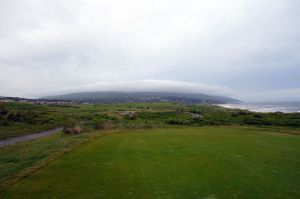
148 86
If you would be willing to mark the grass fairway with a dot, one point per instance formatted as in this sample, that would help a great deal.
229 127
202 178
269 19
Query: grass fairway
210 162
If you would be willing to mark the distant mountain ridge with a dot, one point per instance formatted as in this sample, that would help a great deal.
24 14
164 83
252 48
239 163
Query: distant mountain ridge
118 97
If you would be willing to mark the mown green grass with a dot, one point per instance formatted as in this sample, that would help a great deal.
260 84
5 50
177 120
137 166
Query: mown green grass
209 162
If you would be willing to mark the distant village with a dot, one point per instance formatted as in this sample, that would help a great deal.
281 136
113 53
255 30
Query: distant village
36 101
116 99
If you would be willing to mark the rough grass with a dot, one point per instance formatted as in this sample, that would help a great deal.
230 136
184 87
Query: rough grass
53 116
210 162
20 119
20 160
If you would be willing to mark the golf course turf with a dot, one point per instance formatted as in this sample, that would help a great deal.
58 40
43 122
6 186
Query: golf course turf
207 162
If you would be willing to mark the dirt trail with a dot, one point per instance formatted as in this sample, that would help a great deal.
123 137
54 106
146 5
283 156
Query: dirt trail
29 137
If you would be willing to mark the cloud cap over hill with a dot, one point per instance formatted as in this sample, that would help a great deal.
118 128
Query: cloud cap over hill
150 86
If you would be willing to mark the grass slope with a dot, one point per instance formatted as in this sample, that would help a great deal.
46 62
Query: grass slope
210 162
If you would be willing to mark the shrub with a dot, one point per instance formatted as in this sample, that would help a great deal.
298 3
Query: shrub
70 123
103 125
196 111
136 125
256 121
178 122
180 110
71 127
74 130
257 116
3 111
244 112
4 123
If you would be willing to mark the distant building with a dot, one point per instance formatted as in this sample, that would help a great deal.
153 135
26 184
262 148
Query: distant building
34 101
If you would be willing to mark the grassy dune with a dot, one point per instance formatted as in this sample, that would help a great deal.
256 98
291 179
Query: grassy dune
208 162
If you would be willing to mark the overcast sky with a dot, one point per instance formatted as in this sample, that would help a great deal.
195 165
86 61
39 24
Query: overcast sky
248 49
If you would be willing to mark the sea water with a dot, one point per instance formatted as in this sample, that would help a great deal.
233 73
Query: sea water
285 107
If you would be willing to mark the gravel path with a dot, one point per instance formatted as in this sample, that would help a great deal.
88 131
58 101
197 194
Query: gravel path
14 140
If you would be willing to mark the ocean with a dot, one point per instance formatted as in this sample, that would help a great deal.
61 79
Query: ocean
266 107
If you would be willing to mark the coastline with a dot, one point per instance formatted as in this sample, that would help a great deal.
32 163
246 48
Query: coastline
265 107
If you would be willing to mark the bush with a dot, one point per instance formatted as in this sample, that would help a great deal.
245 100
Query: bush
3 111
71 127
136 125
244 112
4 123
103 125
179 122
196 111
256 121
74 130
70 123
258 116
180 110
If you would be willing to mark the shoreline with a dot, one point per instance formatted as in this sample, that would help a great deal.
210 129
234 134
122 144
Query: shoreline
265 107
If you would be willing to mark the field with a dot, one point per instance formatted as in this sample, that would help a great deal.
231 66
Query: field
149 150
181 162
20 118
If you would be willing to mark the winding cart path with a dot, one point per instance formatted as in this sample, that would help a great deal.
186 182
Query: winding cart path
11 141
